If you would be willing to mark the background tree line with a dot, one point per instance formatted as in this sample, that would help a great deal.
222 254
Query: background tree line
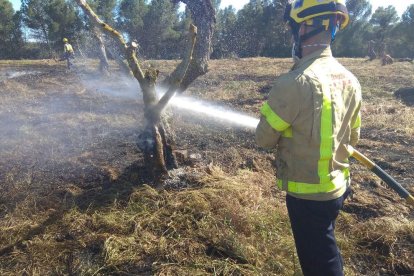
159 26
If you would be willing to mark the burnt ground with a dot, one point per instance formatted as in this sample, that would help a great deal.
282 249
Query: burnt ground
69 159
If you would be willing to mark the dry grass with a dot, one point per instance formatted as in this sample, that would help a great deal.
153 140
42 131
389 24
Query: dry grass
74 199
232 225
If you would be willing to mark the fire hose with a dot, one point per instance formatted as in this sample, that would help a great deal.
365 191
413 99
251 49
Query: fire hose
391 182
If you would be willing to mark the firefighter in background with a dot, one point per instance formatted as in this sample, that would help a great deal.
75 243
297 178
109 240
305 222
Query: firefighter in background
371 50
311 117
68 52
386 59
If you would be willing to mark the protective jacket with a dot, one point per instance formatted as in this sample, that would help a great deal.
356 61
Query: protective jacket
312 114
68 48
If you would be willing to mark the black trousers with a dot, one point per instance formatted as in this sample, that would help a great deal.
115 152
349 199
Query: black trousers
68 57
313 225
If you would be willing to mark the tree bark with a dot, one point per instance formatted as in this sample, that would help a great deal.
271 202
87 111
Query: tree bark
204 17
103 58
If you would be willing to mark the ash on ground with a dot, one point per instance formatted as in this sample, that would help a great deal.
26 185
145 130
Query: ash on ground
183 178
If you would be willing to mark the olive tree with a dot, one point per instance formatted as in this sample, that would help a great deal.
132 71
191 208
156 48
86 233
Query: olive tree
157 139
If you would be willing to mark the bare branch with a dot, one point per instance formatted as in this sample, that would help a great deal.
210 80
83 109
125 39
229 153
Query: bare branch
134 64
96 20
176 80
204 16
130 51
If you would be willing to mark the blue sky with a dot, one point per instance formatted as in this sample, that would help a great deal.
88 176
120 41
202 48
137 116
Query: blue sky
16 4
400 5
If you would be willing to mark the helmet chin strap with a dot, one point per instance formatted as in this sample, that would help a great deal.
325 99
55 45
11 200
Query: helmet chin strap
334 31
300 39
297 51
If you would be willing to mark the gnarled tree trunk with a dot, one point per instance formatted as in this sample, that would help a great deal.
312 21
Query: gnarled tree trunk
155 141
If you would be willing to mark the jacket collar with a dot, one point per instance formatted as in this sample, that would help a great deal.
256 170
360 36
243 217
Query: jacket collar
326 52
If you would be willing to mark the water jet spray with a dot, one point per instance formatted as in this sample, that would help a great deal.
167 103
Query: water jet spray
213 111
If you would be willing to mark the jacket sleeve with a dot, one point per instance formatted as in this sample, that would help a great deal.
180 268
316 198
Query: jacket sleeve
266 136
279 112
356 121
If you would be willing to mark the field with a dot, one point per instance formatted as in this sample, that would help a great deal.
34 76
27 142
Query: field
75 200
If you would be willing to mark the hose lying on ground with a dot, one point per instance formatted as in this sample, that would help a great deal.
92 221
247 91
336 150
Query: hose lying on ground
391 182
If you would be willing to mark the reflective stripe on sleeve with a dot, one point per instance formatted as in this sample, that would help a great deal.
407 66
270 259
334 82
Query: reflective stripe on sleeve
357 123
288 133
273 119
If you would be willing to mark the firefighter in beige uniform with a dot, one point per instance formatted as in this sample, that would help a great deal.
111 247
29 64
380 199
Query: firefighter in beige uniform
311 116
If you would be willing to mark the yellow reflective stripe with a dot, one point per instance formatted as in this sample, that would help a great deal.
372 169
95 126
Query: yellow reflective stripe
309 188
326 135
357 123
273 119
287 133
